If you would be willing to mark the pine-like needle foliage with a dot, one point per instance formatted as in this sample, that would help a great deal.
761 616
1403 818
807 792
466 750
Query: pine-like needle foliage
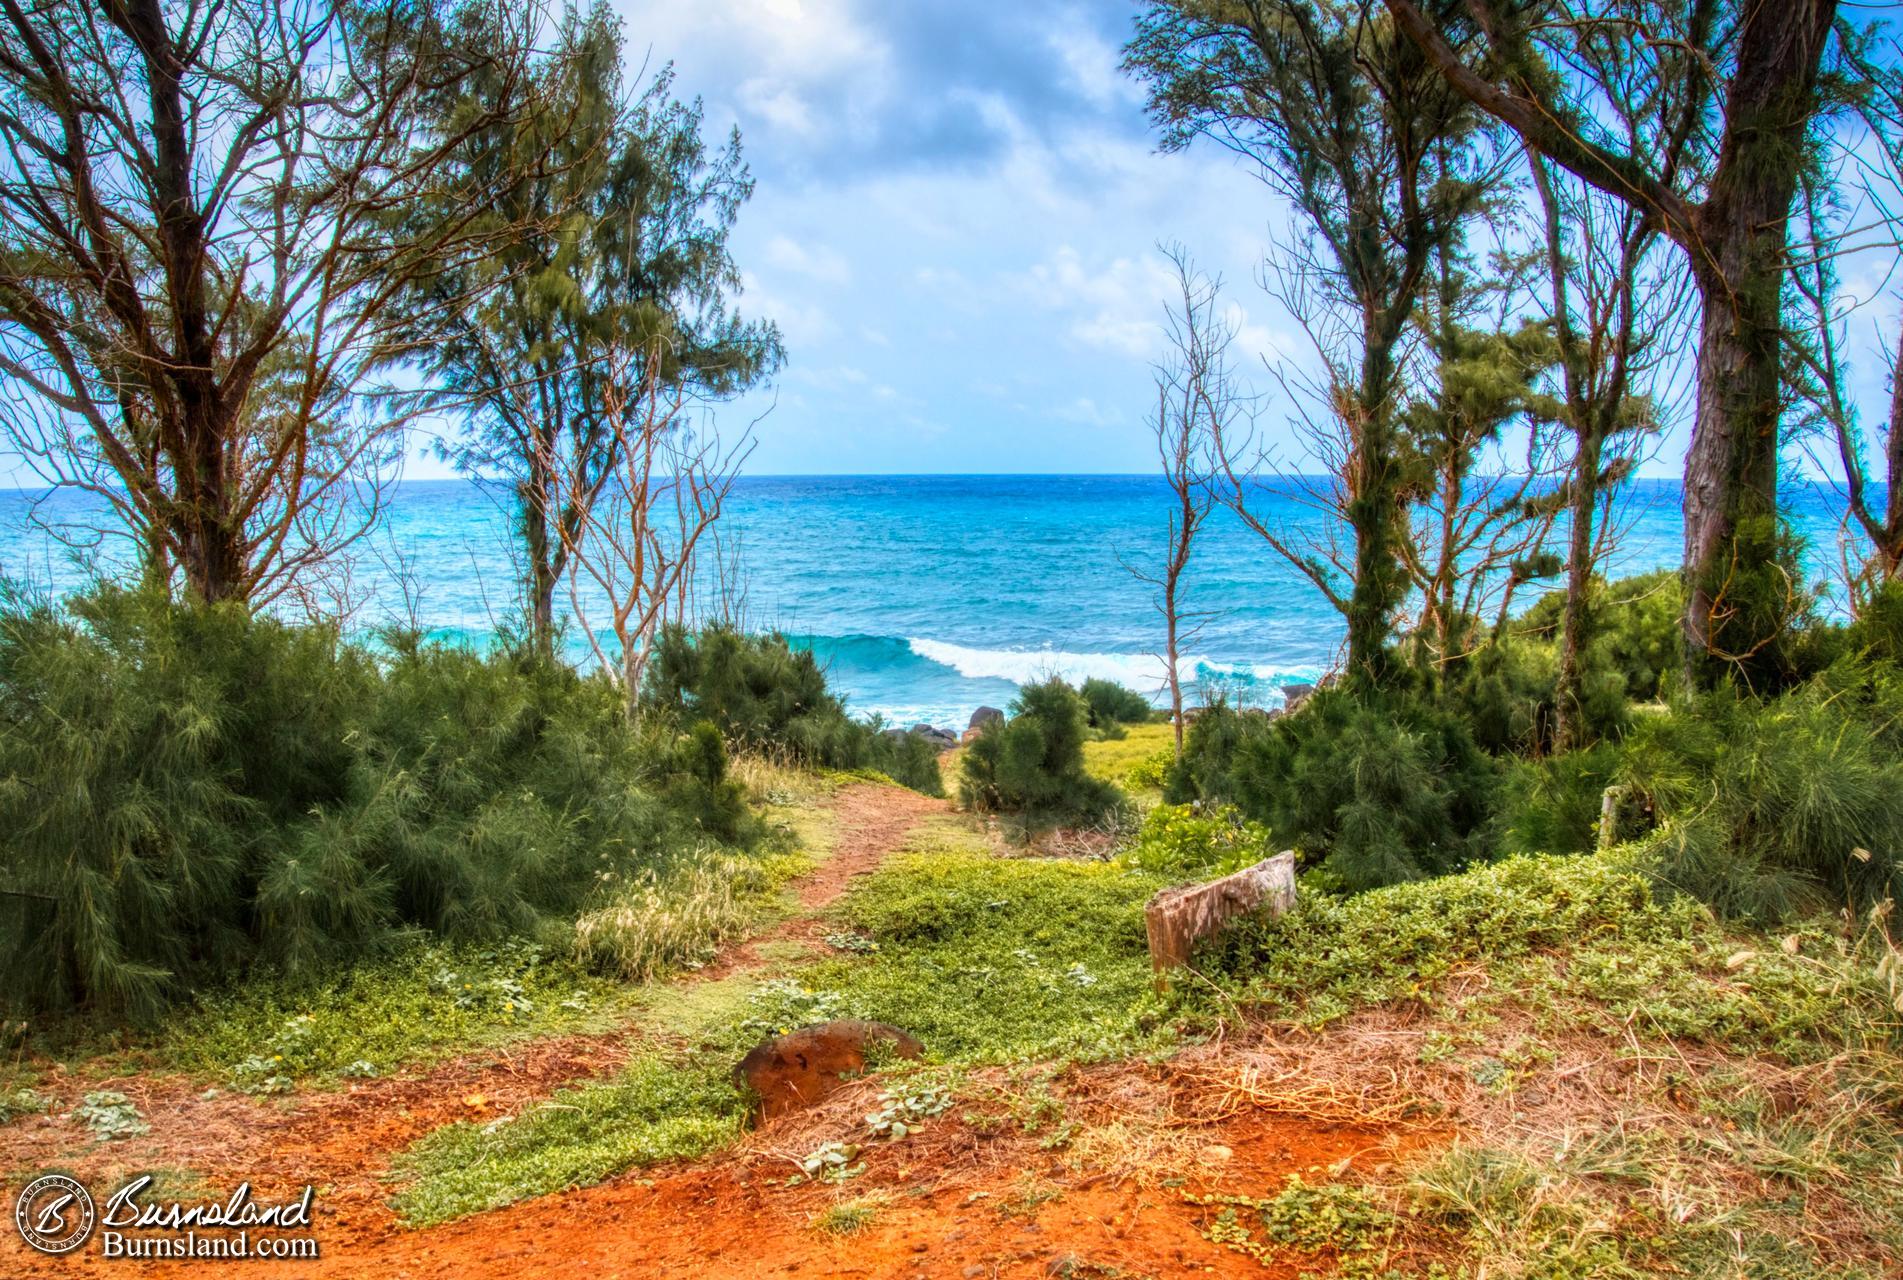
189 791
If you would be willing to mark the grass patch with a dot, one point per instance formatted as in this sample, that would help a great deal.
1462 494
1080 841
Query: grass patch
654 1110
1135 761
414 1004
990 960
1587 942
660 924
848 1216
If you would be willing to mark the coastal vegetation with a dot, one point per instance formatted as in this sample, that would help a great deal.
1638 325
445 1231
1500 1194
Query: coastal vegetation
1594 940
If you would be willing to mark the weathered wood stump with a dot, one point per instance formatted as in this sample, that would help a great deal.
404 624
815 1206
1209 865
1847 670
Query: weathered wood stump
804 1065
1177 919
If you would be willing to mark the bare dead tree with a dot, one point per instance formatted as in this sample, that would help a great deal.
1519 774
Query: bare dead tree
1479 527
1195 396
202 225
640 541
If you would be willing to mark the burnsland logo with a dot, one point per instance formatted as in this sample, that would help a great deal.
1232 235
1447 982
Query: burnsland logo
55 1214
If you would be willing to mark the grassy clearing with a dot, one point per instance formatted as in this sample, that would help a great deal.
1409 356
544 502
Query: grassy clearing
1135 761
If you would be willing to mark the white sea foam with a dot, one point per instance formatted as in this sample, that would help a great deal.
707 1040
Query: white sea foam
1143 672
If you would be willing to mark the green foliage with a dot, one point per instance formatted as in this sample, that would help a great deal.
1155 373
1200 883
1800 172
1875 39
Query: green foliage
110 1116
1551 805
655 925
989 960
1304 1217
190 792
1110 705
1767 808
1590 941
1032 765
1183 842
767 697
1330 956
1634 625
419 999
1381 789
654 1110
1507 694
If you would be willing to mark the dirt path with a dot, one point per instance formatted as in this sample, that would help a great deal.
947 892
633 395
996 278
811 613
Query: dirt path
964 1198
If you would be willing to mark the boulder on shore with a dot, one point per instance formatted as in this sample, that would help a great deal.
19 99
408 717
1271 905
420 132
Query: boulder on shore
941 739
797 1069
979 719
1294 695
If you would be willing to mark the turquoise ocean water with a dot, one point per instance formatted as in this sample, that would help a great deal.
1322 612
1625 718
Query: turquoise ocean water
925 596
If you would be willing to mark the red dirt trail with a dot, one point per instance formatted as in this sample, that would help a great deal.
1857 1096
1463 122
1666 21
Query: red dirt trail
957 1200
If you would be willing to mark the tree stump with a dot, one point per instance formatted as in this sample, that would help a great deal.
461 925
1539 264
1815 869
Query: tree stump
1177 919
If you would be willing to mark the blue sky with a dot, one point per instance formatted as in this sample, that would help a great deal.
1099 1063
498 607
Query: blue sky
955 224
956 221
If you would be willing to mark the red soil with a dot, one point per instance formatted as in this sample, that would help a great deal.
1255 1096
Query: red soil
954 1200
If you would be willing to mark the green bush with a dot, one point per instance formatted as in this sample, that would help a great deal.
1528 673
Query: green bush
1032 765
1551 805
1383 790
191 791
1110 705
766 696
1766 808
1180 841
1634 629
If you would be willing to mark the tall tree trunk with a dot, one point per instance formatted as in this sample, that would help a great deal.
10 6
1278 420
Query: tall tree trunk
1374 511
1567 729
537 497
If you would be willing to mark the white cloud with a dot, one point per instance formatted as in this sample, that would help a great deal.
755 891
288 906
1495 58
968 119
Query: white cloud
814 261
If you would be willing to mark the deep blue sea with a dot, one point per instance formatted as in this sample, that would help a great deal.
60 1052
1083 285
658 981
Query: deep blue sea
925 596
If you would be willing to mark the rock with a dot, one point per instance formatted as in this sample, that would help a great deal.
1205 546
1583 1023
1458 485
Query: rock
984 716
1294 695
797 1069
1176 919
941 739
979 719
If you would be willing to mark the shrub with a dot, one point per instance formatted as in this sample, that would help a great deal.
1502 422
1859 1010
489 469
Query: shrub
1384 790
1634 628
1552 805
1180 841
191 791
1110 704
766 696
1768 807
1032 764
907 758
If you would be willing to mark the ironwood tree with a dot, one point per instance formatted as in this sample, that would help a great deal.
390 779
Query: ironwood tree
624 255
198 254
1727 95
1356 128
1609 303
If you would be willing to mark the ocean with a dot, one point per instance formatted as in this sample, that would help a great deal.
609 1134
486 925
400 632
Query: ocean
924 596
